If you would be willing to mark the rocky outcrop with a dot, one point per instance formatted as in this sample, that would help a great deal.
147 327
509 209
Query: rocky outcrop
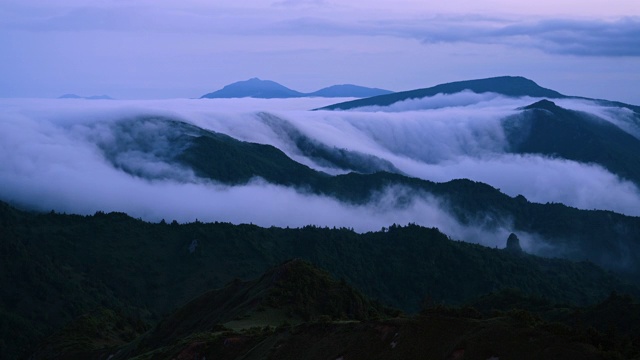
513 244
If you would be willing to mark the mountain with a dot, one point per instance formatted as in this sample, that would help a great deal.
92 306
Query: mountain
506 85
256 88
349 90
548 129
93 97
598 236
296 310
267 89
237 162
619 309
293 292
55 267
609 137
125 274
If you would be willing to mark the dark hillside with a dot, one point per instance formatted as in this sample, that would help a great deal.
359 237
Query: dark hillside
237 162
260 319
56 267
292 292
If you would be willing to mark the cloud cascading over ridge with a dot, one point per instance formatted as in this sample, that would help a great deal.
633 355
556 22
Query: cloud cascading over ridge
54 161
452 136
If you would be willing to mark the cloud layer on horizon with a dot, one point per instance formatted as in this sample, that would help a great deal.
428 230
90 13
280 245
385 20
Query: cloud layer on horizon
565 36
557 35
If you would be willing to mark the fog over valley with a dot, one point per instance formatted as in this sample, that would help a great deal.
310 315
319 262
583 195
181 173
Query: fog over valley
80 157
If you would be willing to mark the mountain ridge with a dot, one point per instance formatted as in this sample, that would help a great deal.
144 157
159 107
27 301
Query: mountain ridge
513 86
506 85
267 89
548 129
337 319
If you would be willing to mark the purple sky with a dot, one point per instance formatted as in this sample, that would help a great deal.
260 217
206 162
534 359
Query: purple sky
159 49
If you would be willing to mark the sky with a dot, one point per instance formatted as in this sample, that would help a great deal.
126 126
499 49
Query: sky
144 49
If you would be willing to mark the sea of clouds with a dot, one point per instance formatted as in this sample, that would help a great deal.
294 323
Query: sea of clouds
52 157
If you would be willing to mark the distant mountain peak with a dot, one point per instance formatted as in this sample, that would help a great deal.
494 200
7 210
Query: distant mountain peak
547 105
268 89
255 88
542 104
349 90
69 96
253 80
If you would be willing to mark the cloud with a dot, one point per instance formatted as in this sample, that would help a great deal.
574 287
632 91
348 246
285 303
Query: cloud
622 117
578 37
438 101
56 162
461 136
565 36
137 18
54 154
554 36
613 38
540 179
429 130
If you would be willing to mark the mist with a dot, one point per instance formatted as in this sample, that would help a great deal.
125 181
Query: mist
61 155
58 165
